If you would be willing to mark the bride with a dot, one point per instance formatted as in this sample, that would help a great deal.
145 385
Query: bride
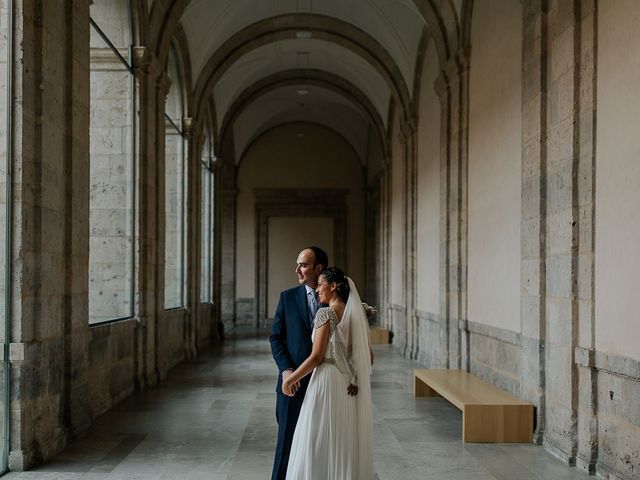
333 437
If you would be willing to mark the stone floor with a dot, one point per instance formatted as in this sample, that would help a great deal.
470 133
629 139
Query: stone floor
214 419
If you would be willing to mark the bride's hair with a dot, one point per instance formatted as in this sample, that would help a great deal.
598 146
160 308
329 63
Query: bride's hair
337 276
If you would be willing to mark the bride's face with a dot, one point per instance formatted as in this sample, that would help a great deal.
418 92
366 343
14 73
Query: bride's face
325 290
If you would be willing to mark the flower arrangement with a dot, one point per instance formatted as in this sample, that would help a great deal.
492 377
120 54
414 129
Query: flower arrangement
369 310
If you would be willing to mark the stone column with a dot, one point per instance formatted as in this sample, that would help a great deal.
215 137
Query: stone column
228 202
385 227
584 198
162 87
372 230
217 325
532 224
49 256
570 391
148 72
194 138
452 86
409 141
77 414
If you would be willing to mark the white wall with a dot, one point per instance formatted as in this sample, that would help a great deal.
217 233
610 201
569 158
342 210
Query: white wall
283 159
397 217
617 262
495 124
287 237
428 252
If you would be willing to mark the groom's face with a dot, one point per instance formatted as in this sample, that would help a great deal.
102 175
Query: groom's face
306 269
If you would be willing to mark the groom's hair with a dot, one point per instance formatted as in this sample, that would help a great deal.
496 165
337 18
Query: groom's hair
320 256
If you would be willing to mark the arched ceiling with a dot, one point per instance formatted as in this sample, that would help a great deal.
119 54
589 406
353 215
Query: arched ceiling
354 56
396 24
312 54
284 105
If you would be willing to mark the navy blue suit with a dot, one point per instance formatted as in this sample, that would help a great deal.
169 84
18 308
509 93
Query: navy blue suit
290 345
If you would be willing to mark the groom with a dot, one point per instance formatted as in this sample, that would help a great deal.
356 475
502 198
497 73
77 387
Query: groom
291 345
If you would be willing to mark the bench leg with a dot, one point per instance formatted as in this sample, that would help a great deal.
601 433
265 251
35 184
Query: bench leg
497 423
421 389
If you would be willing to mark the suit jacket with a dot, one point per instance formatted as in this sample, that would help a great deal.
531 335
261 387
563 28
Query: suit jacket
291 333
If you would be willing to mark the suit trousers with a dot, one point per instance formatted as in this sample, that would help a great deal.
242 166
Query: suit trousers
287 413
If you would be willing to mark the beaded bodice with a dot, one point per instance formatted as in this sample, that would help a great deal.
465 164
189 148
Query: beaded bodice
338 353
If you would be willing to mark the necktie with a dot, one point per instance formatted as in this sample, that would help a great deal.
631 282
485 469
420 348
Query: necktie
313 305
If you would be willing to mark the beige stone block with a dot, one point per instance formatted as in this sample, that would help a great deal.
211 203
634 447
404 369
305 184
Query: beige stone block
379 335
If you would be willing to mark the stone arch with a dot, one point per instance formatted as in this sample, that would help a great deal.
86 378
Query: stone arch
425 39
442 22
285 27
182 49
139 23
439 16
163 21
311 77
265 131
211 106
465 25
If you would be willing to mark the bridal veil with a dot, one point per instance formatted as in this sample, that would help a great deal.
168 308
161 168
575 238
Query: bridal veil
355 329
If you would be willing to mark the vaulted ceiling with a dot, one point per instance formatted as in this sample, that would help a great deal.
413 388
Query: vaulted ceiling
338 63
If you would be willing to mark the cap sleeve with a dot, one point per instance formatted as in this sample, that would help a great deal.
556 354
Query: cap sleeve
322 317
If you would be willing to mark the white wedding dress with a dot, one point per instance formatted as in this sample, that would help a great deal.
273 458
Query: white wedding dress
333 436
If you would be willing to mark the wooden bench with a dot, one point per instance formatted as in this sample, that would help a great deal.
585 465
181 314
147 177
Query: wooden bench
378 335
488 413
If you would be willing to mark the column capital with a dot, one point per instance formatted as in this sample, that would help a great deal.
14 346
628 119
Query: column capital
191 128
145 62
408 127
163 83
452 71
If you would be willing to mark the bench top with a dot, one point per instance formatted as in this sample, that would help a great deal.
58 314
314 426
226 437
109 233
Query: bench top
462 388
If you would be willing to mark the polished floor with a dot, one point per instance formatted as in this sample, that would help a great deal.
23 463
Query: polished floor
214 419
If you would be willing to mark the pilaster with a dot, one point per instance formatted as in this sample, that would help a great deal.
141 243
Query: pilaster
192 131
147 71
452 88
408 130
533 214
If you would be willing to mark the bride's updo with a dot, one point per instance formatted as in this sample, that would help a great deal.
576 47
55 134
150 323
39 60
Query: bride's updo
337 276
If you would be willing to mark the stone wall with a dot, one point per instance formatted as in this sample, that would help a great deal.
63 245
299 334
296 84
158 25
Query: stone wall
569 350
65 372
4 171
568 347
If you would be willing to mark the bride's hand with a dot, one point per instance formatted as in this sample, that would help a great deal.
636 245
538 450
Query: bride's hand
287 388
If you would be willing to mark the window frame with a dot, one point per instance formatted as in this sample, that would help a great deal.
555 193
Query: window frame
208 169
179 84
133 113
8 243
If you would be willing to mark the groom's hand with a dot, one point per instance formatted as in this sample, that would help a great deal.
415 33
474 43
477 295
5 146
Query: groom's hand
296 385
352 390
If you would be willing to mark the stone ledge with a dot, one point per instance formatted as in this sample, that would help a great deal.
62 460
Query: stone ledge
501 334
608 362
429 317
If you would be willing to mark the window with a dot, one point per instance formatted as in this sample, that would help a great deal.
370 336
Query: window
112 141
175 189
206 214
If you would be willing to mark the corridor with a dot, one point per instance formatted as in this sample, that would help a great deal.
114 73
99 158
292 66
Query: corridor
213 419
